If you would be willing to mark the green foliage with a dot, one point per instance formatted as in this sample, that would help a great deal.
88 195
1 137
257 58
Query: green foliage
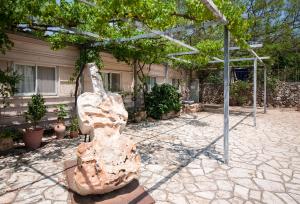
13 133
87 55
214 78
78 23
8 82
161 100
74 124
276 25
239 92
61 112
36 109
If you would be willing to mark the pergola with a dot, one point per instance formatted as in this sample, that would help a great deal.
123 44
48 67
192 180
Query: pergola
221 19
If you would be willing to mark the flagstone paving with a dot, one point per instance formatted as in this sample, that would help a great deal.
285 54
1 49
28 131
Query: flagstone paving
182 161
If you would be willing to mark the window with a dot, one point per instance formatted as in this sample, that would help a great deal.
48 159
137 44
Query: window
151 81
27 82
112 82
36 79
175 83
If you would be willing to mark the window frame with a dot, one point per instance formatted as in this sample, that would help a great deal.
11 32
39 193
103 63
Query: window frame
55 93
149 84
112 72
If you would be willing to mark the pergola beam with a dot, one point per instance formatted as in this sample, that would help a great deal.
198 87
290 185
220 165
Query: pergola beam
214 9
254 53
251 46
239 59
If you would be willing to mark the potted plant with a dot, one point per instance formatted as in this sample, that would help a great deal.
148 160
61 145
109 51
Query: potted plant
74 127
60 128
36 111
6 139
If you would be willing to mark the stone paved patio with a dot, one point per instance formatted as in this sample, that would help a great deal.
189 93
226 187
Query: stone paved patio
181 161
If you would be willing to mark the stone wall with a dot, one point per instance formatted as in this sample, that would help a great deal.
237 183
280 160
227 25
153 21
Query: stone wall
286 94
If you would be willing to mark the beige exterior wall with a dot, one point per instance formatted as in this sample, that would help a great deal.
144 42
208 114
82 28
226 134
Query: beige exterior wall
30 51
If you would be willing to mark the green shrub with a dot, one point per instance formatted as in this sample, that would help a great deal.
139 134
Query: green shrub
239 93
61 112
36 109
74 124
162 99
13 133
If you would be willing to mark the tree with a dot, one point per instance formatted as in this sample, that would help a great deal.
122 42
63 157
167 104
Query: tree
276 24
8 83
104 21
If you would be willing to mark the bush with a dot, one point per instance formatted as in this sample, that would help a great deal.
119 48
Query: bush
61 112
36 109
161 100
13 133
240 92
74 124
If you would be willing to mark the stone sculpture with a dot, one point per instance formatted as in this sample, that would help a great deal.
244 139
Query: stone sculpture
110 160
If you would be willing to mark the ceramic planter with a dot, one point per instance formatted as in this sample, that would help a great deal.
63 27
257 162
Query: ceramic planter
33 138
60 130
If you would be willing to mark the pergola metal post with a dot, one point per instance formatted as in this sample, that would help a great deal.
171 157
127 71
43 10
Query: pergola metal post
265 89
226 93
254 91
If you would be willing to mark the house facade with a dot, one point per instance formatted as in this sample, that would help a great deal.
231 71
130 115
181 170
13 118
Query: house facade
47 72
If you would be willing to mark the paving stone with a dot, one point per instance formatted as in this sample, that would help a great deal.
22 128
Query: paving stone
30 195
191 187
241 173
194 199
223 194
206 194
8 197
269 197
220 201
269 185
196 172
174 187
295 196
241 192
206 186
225 185
270 169
273 177
248 183
255 195
159 195
177 198
287 198
57 193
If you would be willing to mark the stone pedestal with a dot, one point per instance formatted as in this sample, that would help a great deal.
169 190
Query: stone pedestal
131 193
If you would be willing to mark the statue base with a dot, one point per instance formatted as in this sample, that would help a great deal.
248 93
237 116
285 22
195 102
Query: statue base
132 193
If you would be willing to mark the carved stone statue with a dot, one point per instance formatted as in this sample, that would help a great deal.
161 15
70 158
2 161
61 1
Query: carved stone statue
110 160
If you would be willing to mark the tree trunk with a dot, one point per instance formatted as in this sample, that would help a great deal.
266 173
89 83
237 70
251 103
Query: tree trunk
135 78
83 51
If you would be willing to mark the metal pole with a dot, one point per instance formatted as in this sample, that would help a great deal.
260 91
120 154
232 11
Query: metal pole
226 93
254 91
265 90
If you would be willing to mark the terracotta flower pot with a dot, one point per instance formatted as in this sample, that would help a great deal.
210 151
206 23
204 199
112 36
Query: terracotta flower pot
33 138
60 130
73 134
6 143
